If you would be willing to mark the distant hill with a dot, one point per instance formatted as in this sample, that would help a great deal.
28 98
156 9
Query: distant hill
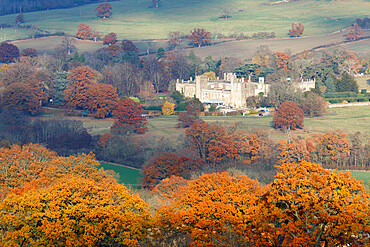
12 7
139 19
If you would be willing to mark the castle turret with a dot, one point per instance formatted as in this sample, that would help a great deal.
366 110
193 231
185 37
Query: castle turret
201 82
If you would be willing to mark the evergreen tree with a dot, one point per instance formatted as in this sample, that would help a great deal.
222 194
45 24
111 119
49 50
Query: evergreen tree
347 84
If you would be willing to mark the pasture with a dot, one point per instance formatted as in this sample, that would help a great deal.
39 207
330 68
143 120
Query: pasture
137 19
364 176
347 119
130 177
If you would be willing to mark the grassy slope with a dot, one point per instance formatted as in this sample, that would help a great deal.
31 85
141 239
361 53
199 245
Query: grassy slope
128 176
134 19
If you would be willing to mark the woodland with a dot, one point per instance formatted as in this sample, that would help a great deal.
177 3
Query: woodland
216 184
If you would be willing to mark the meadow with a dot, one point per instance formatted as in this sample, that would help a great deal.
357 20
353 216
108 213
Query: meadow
130 177
347 119
137 19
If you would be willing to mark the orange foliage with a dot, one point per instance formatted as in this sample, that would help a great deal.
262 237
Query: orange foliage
215 210
104 10
199 37
75 211
128 113
215 145
354 32
169 187
110 39
289 116
104 138
166 165
307 205
282 60
85 94
333 146
297 30
20 165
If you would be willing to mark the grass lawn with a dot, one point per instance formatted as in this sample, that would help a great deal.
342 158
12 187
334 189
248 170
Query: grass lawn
364 176
347 119
136 19
128 176
362 82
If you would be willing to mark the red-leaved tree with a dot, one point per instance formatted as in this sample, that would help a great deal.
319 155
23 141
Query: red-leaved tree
166 165
127 115
296 30
110 39
282 60
199 37
104 10
289 116
354 32
186 119
8 52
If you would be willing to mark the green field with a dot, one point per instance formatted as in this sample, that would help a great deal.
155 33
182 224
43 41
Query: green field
364 176
132 177
347 119
128 176
136 19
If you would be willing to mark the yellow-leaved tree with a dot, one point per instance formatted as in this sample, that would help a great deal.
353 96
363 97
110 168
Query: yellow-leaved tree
75 211
168 109
307 205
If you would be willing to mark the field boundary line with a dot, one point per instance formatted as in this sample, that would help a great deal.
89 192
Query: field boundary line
116 164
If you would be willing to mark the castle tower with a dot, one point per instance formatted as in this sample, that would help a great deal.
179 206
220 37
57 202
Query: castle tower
201 82
238 91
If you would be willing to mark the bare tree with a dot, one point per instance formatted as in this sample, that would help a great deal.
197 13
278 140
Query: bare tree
68 44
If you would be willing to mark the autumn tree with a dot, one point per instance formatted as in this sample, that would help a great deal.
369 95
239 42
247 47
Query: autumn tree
104 10
296 30
166 165
103 99
21 165
214 210
110 39
128 114
199 37
76 93
330 148
186 119
86 33
313 105
22 97
107 212
168 108
282 60
29 52
8 53
354 32
288 116
307 204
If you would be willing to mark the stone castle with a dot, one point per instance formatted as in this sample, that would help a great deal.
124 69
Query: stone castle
231 91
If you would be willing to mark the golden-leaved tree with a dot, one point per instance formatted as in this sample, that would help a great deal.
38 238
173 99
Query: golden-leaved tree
47 200
214 210
307 205
75 211
168 108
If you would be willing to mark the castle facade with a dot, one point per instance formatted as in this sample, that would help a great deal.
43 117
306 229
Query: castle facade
231 91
